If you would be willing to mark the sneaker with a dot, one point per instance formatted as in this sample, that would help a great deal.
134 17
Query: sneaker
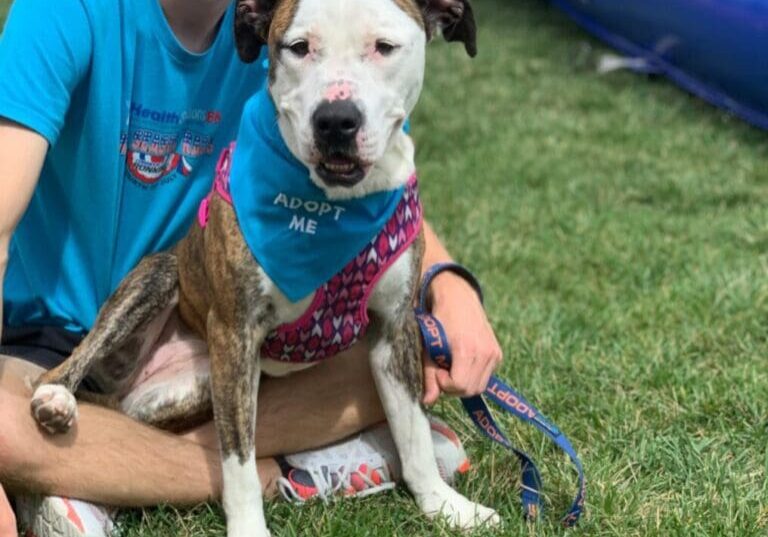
52 516
364 465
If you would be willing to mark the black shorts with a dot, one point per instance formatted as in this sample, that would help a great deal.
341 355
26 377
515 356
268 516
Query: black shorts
45 346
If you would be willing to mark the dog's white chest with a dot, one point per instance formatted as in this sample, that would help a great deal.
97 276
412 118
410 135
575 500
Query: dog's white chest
385 299
285 310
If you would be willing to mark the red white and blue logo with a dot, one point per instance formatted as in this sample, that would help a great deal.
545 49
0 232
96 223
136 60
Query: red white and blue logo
153 154
148 169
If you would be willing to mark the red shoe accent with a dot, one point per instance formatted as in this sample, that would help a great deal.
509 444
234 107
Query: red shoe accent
72 516
376 477
305 492
465 467
358 483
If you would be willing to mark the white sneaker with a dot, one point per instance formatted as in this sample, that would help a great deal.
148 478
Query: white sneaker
365 464
53 516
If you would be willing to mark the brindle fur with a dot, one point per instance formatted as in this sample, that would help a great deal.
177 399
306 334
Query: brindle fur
412 9
175 414
405 337
111 346
236 325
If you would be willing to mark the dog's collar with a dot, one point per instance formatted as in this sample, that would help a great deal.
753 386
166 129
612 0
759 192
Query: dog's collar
298 236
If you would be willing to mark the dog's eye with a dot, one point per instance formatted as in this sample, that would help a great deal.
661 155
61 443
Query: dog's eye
385 48
299 48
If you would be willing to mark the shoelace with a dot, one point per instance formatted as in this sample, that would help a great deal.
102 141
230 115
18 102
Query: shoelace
322 477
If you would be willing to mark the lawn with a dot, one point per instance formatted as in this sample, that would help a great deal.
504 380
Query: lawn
620 228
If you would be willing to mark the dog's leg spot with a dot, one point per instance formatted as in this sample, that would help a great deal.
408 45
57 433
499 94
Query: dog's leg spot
54 407
242 498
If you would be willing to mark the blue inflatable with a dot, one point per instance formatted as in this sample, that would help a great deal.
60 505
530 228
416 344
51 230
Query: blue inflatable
716 49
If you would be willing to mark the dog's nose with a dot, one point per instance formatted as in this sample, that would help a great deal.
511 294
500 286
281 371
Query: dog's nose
337 122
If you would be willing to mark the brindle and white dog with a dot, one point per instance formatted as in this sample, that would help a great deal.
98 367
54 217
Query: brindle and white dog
376 50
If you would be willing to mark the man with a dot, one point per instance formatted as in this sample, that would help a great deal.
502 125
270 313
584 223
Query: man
111 117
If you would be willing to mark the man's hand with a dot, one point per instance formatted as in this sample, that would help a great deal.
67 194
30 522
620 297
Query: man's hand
7 519
475 350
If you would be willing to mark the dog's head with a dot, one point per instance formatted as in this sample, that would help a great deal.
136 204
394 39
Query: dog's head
344 75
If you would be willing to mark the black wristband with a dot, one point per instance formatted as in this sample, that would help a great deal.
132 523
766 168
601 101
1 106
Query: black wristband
455 268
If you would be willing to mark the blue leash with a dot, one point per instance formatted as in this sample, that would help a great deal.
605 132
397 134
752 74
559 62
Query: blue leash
504 396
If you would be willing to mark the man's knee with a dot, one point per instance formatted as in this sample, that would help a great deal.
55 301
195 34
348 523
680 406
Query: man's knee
17 428
16 375
352 365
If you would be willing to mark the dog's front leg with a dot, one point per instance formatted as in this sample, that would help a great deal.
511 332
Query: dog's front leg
235 372
141 297
396 363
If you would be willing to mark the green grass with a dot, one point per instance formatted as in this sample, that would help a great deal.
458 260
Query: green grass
620 228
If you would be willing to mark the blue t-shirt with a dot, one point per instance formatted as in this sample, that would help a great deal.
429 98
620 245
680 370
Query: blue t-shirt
135 122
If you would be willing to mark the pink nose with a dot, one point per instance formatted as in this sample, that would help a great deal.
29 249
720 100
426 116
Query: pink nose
340 90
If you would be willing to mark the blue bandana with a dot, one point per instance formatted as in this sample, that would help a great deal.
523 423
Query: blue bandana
299 237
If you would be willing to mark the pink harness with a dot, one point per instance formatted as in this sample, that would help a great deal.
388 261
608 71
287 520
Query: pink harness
337 317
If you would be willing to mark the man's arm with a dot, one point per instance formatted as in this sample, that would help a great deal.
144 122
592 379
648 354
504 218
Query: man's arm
476 352
22 153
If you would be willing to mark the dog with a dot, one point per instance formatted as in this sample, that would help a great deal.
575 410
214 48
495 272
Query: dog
343 78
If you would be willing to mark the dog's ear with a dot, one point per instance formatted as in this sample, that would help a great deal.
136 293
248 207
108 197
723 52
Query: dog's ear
454 18
252 20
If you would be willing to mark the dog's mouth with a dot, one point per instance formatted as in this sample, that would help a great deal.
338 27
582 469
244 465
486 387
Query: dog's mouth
340 170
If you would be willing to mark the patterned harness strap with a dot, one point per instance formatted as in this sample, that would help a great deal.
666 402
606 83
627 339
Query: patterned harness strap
337 317
220 184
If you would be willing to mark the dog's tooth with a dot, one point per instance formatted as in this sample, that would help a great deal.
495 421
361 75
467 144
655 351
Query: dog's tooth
339 168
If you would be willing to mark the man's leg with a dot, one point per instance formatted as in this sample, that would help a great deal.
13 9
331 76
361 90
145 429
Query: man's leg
107 458
147 466
7 519
311 408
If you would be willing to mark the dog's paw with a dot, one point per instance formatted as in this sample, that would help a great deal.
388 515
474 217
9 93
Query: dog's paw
458 511
247 523
54 407
247 533
240 529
